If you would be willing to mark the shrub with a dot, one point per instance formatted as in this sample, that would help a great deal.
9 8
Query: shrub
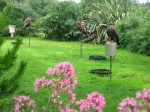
2 4
60 21
18 15
139 104
134 33
62 82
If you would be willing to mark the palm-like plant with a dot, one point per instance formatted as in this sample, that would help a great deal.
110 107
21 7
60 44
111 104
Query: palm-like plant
105 12
109 11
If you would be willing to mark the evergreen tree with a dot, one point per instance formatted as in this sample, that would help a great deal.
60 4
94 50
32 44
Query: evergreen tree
8 84
4 16
2 5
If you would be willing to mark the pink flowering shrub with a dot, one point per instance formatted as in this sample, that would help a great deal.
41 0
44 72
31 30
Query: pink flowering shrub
94 100
140 104
63 81
23 104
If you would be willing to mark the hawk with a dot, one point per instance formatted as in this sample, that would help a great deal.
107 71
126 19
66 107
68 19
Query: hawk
81 26
27 22
112 34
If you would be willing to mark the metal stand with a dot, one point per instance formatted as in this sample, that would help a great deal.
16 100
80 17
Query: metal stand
80 45
29 38
78 33
111 51
110 68
28 30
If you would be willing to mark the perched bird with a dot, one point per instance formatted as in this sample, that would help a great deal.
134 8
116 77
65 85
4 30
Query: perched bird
112 34
27 22
81 26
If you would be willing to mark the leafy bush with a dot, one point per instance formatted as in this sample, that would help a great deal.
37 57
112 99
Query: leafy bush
18 15
2 4
60 21
63 82
134 32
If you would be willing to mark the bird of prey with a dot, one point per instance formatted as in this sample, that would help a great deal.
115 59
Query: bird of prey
112 34
27 22
81 26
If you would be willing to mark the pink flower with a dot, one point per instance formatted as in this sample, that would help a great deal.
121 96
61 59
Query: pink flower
23 102
66 80
144 94
96 100
143 110
54 93
72 96
84 105
40 82
138 95
60 102
65 67
67 109
128 104
49 71
74 83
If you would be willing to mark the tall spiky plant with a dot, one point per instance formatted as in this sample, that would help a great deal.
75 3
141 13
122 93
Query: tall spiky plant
105 12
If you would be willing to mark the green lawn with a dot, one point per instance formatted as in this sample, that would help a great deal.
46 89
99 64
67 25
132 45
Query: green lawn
131 72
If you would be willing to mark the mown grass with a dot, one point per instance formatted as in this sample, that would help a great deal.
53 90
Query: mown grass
131 72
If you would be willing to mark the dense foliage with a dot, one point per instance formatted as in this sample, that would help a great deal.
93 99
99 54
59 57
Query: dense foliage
60 21
134 32
57 20
5 17
2 4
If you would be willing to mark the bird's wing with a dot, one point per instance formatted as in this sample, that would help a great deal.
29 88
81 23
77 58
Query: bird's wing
111 32
27 22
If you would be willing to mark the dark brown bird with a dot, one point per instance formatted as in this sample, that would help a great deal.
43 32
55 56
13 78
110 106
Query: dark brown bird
27 22
81 26
112 34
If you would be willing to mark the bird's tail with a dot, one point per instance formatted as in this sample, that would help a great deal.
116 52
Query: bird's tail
118 43
117 39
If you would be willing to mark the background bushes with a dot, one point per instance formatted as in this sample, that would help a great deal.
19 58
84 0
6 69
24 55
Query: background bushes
60 21
19 14
57 20
134 32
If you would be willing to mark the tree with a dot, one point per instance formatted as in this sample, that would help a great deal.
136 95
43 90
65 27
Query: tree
60 21
4 17
2 4
8 82
19 14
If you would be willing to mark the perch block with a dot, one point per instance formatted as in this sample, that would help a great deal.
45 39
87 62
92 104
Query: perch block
12 30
